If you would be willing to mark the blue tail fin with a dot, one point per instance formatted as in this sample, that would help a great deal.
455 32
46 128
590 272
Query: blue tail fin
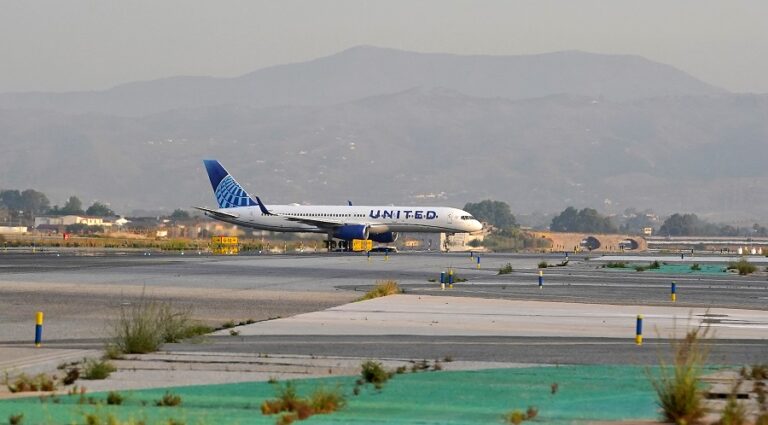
228 193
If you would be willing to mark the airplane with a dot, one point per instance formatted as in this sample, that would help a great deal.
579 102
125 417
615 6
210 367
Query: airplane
345 222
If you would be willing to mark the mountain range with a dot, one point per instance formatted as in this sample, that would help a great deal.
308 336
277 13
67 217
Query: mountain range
375 125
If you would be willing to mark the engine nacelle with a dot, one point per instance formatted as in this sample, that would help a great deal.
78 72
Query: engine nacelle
387 237
351 231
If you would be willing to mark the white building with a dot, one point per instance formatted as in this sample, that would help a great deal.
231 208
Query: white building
66 220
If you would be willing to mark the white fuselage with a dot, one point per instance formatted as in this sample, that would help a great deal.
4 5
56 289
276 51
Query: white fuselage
380 219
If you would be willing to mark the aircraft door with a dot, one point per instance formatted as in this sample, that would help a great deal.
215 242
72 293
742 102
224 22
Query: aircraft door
450 218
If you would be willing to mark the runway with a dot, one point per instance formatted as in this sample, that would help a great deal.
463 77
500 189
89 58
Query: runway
81 293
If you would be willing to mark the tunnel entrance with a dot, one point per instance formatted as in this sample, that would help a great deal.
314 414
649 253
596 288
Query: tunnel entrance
628 244
590 243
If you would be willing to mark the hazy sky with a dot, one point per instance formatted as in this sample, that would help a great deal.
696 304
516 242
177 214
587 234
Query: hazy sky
74 44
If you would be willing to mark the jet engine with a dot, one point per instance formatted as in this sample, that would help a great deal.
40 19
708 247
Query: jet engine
351 231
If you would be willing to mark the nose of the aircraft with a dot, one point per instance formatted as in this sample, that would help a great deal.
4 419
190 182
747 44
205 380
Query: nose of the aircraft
476 226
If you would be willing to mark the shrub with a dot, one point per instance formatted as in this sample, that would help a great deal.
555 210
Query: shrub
518 416
515 417
382 289
531 412
616 265
169 400
677 386
101 418
654 265
114 398
178 324
144 326
138 329
286 419
695 267
17 419
506 269
112 352
640 268
321 401
24 383
327 401
72 375
97 369
543 265
287 400
734 412
420 365
373 372
743 266
759 371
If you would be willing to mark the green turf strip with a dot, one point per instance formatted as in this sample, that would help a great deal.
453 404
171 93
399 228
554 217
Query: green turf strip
686 269
585 393
704 269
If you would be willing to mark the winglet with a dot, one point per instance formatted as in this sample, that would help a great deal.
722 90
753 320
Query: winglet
262 207
349 202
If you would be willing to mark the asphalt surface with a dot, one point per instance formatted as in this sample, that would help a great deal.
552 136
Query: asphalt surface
545 350
496 349
579 281
81 292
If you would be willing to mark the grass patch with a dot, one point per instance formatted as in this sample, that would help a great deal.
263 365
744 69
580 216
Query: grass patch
506 269
382 289
616 265
543 264
743 266
97 369
144 326
678 384
655 265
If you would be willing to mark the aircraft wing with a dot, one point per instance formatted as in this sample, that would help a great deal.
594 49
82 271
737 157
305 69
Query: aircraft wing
312 221
330 224
218 214
319 222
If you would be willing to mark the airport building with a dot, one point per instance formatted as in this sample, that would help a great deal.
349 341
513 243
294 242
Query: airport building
58 222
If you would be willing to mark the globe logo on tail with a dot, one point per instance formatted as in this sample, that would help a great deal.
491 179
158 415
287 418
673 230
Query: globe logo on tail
229 194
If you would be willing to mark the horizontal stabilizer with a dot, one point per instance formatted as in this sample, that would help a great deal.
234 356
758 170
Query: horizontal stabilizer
216 214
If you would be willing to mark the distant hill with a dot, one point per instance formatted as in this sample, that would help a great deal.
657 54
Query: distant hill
366 71
702 153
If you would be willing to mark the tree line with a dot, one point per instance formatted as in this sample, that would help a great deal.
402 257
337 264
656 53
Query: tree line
33 203
588 220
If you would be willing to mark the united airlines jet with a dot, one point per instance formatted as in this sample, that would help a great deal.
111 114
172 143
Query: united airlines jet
346 222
